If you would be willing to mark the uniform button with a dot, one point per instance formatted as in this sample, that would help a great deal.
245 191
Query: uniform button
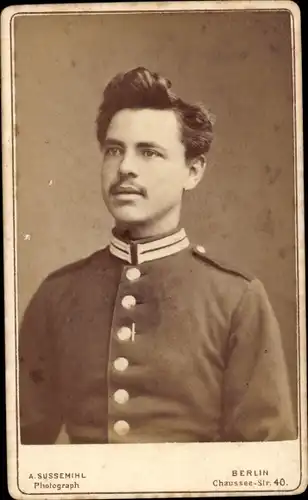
121 427
121 396
124 333
120 364
133 274
128 301
200 249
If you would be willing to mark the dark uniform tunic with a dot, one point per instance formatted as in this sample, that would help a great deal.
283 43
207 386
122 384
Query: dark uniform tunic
152 342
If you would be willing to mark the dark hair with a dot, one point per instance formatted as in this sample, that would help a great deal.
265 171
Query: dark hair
140 88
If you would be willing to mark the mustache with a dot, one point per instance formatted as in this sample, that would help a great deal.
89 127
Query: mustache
127 186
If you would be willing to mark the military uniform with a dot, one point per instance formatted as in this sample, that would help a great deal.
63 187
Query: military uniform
152 341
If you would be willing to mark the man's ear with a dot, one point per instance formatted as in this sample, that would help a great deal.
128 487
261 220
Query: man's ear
197 168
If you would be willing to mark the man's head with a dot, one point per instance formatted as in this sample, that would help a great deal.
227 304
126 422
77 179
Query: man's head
154 146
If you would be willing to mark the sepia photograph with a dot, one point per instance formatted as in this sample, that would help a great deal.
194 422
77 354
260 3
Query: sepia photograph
154 249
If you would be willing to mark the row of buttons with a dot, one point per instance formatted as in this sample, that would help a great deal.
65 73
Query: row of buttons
121 396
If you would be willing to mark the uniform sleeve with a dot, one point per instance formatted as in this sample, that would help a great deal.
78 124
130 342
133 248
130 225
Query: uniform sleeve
40 415
256 396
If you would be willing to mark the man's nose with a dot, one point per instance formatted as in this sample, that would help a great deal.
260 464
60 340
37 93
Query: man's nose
128 164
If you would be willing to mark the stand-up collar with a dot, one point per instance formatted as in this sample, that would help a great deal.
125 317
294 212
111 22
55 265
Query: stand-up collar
137 252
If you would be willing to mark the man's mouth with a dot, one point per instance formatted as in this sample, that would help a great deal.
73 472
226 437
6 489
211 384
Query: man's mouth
126 191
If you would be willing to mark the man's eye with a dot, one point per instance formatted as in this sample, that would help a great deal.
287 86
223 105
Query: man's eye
150 153
113 151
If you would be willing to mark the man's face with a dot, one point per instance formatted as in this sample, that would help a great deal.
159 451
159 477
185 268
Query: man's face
144 170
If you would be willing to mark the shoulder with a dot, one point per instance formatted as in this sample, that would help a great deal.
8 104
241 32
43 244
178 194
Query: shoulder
66 279
94 260
208 259
230 287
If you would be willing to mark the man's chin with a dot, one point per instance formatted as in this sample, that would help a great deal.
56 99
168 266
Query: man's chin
127 216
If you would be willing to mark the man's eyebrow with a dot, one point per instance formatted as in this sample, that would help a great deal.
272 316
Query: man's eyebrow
113 142
154 145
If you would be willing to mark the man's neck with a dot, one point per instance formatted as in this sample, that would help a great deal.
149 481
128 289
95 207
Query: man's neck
137 234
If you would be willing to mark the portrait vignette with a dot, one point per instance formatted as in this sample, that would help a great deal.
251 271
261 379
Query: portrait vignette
25 236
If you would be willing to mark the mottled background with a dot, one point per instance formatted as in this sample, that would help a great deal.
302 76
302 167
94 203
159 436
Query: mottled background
237 63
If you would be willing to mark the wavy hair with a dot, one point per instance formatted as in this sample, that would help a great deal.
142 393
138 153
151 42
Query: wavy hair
140 88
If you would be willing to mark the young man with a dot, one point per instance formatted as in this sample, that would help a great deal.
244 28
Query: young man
150 339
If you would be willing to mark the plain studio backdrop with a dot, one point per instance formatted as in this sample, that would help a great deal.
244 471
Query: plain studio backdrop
239 64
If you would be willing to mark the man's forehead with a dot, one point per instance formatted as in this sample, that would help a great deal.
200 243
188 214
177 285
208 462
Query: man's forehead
145 125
